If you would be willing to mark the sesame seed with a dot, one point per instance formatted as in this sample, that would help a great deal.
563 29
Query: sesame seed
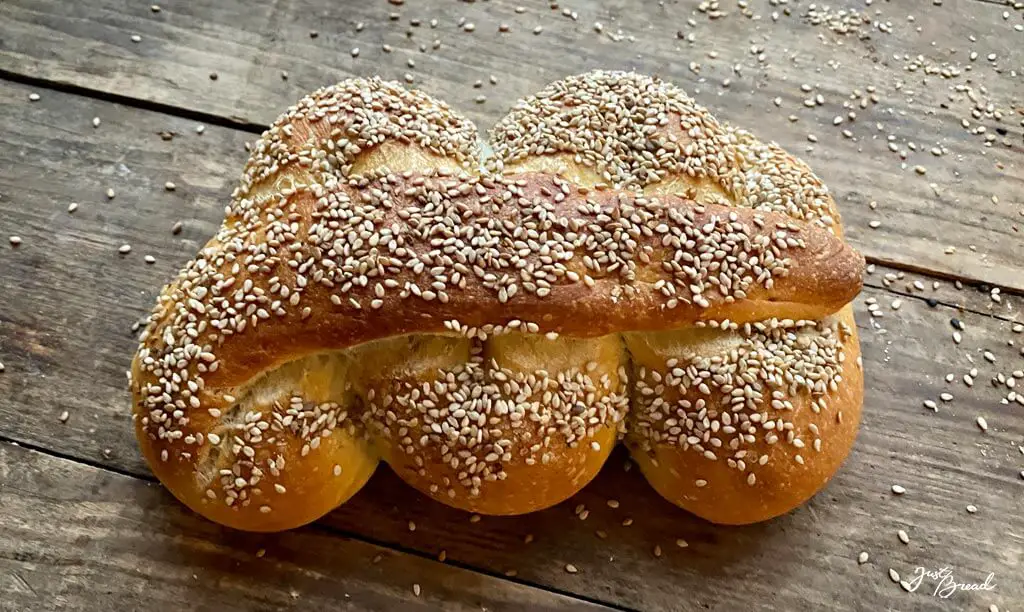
903 536
136 38
72 207
416 589
200 129
15 240
971 508
898 489
63 418
95 122
149 259
169 186
862 558
681 543
124 249
110 193
354 257
570 568
982 423
894 575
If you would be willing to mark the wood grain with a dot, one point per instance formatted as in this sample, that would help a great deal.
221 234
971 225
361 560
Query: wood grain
88 45
76 537
68 299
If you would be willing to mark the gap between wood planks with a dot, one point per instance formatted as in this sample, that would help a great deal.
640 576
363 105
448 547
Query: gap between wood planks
257 129
323 527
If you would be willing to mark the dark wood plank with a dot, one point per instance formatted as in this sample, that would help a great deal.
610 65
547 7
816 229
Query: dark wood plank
76 537
88 44
68 299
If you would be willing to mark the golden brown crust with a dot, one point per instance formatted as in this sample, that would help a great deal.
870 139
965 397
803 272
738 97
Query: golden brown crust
771 472
371 296
822 275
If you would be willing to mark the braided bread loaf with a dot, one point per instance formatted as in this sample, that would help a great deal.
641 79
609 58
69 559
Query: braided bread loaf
617 265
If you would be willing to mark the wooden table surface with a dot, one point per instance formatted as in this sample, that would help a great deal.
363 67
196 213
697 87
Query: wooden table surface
911 111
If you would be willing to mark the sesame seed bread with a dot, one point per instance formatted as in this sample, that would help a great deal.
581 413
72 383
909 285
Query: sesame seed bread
619 265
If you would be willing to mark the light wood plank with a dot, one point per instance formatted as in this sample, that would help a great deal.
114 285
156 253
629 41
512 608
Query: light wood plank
68 299
75 537
88 44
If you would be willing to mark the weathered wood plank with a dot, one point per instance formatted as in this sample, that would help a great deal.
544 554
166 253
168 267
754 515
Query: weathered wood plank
89 45
76 537
68 299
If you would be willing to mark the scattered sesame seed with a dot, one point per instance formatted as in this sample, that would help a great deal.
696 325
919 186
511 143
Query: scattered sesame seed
15 240
136 38
416 587
971 508
169 186
72 207
63 418
570 568
681 543
903 536
894 575
111 193
898 489
982 423
95 122
200 129
862 558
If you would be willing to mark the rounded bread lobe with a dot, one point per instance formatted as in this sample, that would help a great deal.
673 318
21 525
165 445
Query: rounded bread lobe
370 296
